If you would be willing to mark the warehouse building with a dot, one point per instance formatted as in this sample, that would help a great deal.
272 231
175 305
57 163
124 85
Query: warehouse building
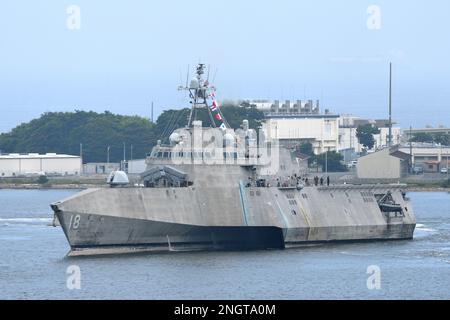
430 157
16 165
100 167
388 163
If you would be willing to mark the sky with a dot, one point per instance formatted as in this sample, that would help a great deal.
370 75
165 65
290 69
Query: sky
122 55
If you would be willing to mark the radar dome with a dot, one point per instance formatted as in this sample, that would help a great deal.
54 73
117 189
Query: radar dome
118 178
193 84
174 138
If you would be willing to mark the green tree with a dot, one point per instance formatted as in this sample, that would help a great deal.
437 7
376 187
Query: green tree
330 160
42 180
442 138
365 133
439 138
446 184
422 137
306 148
62 132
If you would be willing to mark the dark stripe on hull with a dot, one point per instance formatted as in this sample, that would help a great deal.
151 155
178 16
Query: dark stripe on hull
93 231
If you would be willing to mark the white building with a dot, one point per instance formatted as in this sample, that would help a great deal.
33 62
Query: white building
296 122
321 130
15 164
100 167
136 166
428 156
288 106
347 133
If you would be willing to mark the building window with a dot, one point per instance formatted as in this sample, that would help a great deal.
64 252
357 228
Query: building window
327 129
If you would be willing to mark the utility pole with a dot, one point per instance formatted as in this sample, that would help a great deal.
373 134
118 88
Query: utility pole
131 157
81 158
390 105
447 162
410 150
122 167
152 113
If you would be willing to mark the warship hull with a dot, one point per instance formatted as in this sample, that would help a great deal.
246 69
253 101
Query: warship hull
119 220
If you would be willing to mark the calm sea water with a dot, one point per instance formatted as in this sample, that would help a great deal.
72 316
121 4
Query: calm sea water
33 263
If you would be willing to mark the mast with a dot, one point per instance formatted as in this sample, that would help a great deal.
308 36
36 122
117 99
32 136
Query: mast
390 106
200 91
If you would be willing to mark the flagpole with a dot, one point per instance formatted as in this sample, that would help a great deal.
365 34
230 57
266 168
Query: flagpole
213 123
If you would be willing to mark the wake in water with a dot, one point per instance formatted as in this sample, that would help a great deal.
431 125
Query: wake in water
422 227
26 221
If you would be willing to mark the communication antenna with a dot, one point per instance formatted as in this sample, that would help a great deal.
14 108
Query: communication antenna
200 91
214 77
209 69
390 105
152 112
187 76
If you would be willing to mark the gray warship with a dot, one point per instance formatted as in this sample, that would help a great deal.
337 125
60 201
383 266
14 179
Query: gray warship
215 188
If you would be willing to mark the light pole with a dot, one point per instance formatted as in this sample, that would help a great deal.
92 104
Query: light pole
124 157
81 158
107 154
131 157
447 161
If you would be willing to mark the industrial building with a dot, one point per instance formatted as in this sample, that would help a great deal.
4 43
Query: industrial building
428 130
15 164
431 158
136 166
100 167
388 163
276 107
397 161
295 123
